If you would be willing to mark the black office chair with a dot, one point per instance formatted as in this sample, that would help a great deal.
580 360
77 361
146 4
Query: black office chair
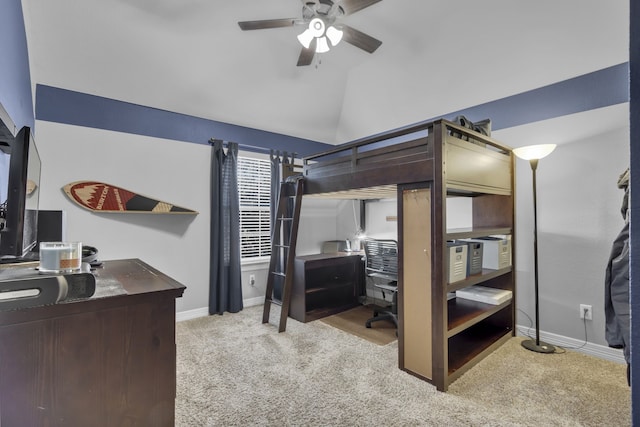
381 265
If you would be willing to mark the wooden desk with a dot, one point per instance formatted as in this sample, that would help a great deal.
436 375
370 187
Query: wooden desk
106 361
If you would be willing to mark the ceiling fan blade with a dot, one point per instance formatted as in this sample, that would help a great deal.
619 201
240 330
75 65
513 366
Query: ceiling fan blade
360 39
352 6
267 23
306 54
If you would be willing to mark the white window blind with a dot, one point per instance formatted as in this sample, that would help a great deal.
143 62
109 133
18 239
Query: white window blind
254 189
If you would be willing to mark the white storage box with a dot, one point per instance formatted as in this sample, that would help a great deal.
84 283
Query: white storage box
457 253
496 252
484 294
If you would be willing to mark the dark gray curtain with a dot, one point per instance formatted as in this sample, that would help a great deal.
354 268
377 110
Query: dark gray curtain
225 283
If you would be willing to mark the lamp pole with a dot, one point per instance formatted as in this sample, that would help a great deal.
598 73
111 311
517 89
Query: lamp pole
537 346
534 166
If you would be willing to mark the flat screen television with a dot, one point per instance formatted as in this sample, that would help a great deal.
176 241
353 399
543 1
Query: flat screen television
20 193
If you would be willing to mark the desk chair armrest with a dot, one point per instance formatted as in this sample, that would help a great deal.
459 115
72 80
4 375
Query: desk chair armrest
385 287
390 277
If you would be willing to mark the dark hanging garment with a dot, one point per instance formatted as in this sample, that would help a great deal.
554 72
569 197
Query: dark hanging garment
616 301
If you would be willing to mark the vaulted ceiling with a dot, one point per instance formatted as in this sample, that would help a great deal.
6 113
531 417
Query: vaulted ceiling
190 56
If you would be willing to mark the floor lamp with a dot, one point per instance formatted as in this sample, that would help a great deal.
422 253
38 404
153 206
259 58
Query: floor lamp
533 153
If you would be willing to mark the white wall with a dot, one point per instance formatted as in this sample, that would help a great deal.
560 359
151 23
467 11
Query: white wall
253 294
317 224
348 220
381 216
578 216
379 226
459 212
177 245
173 171
578 219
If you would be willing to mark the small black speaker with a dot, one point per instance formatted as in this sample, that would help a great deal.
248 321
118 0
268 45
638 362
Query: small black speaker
79 286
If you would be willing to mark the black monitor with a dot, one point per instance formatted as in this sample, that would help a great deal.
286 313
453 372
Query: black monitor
20 193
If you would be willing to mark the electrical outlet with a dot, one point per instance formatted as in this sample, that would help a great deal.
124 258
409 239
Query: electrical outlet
586 312
252 279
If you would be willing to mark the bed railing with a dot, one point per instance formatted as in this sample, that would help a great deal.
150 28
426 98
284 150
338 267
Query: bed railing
400 156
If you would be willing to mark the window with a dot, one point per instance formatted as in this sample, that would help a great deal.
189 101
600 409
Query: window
254 189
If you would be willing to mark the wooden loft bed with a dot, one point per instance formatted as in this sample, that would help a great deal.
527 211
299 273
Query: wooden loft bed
373 163
422 165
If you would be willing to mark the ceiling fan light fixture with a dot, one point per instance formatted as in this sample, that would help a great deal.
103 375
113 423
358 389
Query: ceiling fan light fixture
315 30
317 26
305 38
334 35
321 35
321 45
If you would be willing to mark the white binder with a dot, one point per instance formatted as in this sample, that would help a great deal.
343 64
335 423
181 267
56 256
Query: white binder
484 294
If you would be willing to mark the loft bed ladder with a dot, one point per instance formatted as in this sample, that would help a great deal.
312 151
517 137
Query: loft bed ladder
283 249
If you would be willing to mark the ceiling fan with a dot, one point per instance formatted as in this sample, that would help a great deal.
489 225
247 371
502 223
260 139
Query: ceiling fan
324 29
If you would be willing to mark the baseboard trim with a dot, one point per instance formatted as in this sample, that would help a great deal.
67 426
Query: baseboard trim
204 311
595 350
192 314
250 302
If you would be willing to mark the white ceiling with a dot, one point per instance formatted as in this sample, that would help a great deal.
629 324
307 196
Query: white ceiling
190 56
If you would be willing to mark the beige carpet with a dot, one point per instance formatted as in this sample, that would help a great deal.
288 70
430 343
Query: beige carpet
353 321
234 371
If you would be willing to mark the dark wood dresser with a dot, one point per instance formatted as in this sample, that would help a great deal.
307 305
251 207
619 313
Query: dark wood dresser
109 360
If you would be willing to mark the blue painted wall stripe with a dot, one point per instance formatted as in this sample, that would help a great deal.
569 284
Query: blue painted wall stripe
602 88
75 108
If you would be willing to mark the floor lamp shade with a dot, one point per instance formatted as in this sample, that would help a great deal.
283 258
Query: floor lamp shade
533 153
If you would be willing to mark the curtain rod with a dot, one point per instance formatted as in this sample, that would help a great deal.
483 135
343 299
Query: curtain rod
251 147
245 146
